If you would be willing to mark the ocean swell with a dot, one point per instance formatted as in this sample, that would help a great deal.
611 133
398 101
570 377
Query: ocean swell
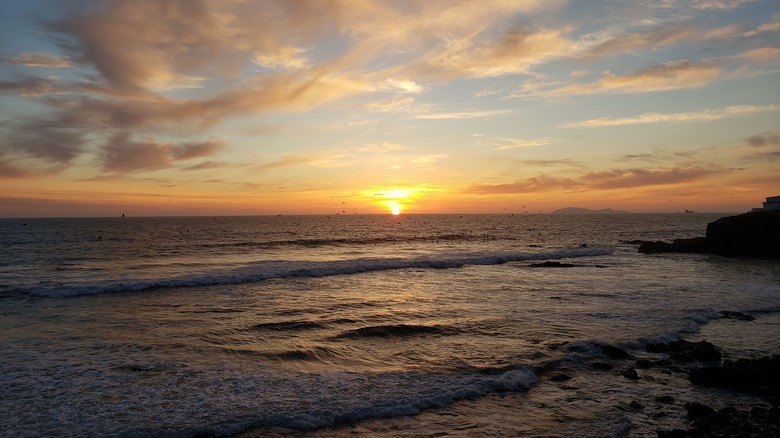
274 269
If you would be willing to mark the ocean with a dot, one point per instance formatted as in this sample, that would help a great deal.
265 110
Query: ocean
352 325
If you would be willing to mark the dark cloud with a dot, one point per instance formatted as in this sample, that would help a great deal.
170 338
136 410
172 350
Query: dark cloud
122 154
12 171
765 139
45 139
188 151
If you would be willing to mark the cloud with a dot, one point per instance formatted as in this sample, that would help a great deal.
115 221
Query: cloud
461 114
122 154
514 143
48 140
287 161
207 165
671 75
551 163
385 147
635 42
45 60
769 139
11 171
600 180
651 118
29 86
762 148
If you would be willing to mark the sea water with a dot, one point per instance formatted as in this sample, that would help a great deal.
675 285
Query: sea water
350 325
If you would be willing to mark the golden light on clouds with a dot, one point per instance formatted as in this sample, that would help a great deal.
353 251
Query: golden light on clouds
440 106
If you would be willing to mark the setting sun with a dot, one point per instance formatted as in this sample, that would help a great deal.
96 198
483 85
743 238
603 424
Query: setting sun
395 207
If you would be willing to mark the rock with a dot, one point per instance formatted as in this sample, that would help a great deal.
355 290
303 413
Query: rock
729 314
754 376
728 422
645 363
664 399
698 411
613 352
685 351
746 235
552 265
750 234
630 373
560 378
636 405
694 245
602 365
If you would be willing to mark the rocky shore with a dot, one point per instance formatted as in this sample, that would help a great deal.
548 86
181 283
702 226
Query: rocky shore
747 235
701 366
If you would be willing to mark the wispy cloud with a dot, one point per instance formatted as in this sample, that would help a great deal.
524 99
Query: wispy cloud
46 60
598 180
461 114
287 161
514 143
651 118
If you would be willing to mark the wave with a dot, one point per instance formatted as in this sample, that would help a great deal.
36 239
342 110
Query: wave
288 326
316 243
398 330
274 269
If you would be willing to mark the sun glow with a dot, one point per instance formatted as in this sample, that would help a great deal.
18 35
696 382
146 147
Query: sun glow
395 207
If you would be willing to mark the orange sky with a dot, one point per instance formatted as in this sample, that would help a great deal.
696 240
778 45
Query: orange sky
324 107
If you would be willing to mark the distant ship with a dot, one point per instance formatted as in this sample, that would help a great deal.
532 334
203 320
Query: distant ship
689 211
772 204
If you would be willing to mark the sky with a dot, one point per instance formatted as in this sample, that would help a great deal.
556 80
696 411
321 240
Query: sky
231 107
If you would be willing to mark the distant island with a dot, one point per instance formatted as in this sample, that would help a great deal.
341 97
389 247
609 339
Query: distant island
576 210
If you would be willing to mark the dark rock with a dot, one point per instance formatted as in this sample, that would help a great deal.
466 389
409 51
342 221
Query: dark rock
613 352
755 376
645 363
746 235
698 411
686 351
602 365
728 422
630 373
560 378
694 245
750 234
636 405
552 265
664 399
729 314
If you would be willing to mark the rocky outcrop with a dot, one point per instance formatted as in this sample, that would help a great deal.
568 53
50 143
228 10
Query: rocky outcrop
747 235
695 245
754 376
750 234
686 351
